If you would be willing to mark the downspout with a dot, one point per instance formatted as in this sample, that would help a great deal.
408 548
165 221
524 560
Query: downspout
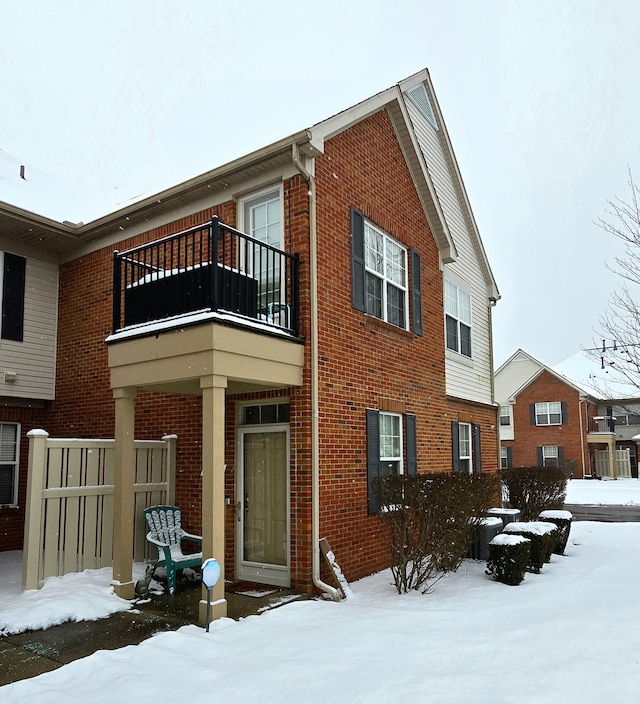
315 413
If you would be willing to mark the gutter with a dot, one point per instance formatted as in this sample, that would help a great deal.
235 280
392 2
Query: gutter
315 413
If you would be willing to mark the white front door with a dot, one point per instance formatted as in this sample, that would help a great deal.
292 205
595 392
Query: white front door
262 505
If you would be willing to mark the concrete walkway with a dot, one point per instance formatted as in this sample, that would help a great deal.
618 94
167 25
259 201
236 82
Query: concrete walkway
35 652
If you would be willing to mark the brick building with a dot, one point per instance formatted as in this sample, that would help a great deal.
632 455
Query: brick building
544 418
303 319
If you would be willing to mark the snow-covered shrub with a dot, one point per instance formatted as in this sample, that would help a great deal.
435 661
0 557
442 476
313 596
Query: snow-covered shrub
562 519
543 537
431 520
508 558
534 489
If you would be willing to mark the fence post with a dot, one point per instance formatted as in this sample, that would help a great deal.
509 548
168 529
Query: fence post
32 553
170 469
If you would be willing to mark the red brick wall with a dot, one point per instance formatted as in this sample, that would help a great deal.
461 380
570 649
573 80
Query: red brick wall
365 363
12 519
572 436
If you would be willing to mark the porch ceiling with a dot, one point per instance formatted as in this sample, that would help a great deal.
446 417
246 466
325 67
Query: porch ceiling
174 361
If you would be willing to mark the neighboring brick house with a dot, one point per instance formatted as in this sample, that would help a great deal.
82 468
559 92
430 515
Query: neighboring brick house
348 336
544 418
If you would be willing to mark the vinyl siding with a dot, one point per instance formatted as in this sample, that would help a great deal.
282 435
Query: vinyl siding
465 378
34 359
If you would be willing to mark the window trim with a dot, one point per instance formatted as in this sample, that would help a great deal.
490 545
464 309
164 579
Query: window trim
506 415
543 457
408 447
15 463
457 319
475 464
386 281
413 276
538 412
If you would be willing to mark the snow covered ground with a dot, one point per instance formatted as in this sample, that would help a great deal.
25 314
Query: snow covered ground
567 634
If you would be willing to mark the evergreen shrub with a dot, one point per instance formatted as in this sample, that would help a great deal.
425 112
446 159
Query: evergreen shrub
508 558
562 519
543 538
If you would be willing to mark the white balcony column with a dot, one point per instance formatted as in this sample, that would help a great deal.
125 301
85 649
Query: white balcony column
213 502
123 499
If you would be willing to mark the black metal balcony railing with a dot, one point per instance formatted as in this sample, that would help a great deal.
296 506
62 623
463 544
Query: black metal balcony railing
212 268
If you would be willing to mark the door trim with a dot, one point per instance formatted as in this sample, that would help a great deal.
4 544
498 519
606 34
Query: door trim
278 575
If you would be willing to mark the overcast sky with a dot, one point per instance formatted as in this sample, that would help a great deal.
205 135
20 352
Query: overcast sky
540 98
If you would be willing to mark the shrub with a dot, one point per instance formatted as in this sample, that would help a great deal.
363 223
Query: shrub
534 489
543 540
562 519
431 520
508 558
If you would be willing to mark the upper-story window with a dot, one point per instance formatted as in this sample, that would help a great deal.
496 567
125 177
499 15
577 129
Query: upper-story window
261 217
549 413
13 287
457 309
385 275
505 415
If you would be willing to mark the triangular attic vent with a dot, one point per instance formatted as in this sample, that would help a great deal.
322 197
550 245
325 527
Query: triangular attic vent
420 99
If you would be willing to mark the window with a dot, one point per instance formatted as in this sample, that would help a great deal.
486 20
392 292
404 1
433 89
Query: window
262 219
457 308
549 413
549 456
505 415
385 276
265 413
505 457
466 448
390 444
380 275
391 448
13 285
9 463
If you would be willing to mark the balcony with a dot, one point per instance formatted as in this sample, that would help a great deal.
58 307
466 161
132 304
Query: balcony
209 269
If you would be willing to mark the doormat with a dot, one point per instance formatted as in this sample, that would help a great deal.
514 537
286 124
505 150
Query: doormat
253 590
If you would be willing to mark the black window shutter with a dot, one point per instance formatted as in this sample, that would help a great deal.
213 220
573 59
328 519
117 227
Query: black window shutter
13 297
410 434
416 293
560 453
357 260
373 458
477 450
455 445
6 484
509 456
540 458
563 407
532 413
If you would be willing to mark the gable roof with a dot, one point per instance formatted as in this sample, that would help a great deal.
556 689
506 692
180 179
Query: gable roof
517 383
62 239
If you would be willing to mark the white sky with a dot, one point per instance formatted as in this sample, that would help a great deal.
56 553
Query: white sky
560 636
540 99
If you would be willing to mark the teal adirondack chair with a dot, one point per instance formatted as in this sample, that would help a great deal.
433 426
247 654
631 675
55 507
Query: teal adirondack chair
166 533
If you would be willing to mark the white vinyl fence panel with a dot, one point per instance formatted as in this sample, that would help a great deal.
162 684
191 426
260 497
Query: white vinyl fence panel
69 514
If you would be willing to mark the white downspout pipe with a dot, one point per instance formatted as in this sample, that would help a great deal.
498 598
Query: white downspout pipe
315 413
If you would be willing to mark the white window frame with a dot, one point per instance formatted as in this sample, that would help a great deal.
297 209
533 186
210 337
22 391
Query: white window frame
504 458
544 411
465 448
10 456
505 412
381 252
458 305
246 210
550 452
391 444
